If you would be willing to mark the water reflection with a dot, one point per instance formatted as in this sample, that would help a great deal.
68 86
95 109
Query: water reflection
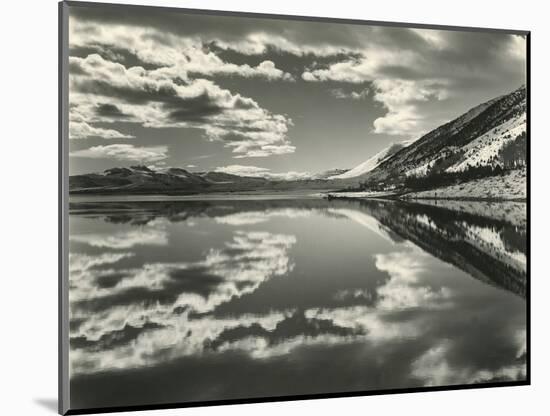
311 296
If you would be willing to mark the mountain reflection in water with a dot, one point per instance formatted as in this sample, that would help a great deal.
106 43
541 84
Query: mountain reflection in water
193 300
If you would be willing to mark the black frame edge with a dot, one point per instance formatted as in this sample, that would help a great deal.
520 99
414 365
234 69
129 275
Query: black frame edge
336 395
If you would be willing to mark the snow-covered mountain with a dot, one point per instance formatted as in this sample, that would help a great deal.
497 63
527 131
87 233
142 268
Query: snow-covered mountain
372 162
490 134
485 150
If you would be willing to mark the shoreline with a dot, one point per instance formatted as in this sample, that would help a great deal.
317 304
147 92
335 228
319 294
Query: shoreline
465 198
214 196
313 194
405 198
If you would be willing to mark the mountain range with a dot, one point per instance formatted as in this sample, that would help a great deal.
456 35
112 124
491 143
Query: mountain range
486 139
144 180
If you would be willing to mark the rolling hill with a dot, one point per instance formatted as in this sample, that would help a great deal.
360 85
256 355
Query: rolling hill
144 180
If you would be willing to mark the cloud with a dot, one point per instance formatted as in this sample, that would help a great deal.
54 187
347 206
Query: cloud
134 312
257 172
353 95
308 76
260 42
419 67
247 36
296 327
435 369
404 289
79 263
172 300
160 98
353 294
435 38
166 61
370 321
123 152
257 217
401 98
518 47
110 110
184 55
250 258
82 130
241 170
148 236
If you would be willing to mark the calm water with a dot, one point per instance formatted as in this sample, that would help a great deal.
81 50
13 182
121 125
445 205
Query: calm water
178 301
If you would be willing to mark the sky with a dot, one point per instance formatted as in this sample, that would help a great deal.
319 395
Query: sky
266 97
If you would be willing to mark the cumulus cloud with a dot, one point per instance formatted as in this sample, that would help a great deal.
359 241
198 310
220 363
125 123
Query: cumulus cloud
178 54
171 92
159 98
247 36
258 172
437 65
401 99
170 60
399 96
123 152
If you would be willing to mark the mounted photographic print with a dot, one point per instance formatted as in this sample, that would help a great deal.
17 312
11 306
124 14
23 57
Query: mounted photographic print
258 207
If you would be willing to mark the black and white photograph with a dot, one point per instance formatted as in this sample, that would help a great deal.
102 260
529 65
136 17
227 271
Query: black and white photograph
271 207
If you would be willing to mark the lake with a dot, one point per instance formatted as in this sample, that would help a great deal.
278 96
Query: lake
185 301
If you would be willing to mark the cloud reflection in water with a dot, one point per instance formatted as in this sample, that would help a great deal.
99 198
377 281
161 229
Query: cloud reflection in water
130 309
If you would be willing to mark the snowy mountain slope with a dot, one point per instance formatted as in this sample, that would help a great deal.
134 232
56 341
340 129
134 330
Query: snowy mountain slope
421 170
466 138
512 185
482 151
372 162
470 115
485 149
